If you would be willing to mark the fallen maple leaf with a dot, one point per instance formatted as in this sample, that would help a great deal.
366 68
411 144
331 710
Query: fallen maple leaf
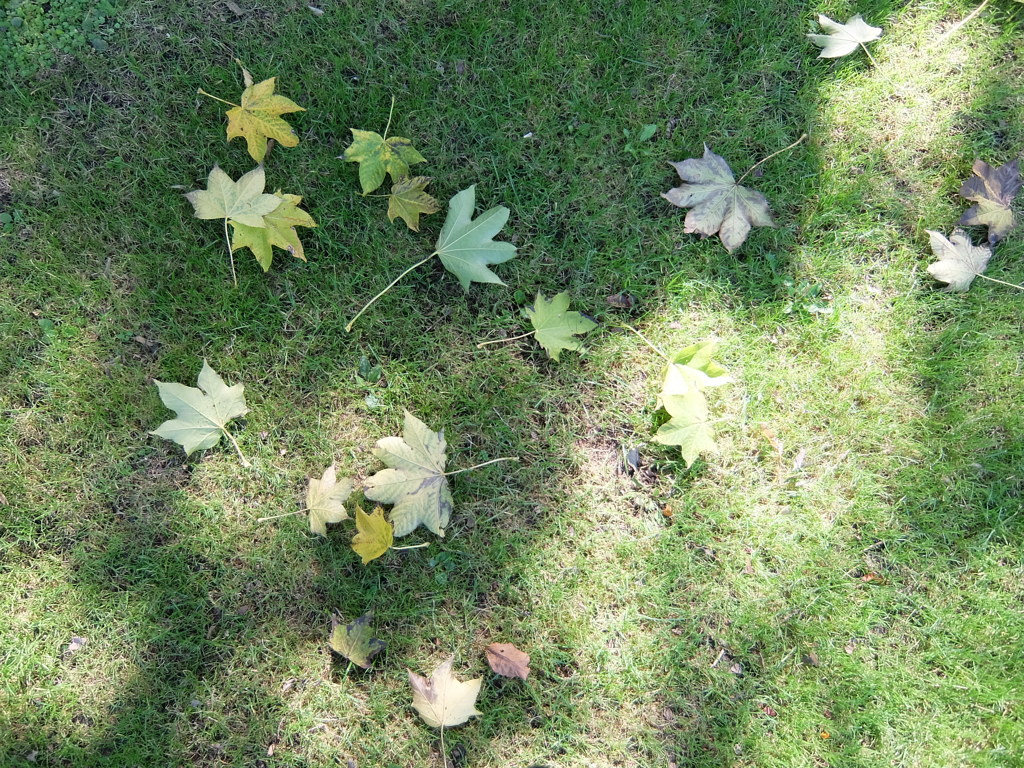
466 245
378 157
555 325
843 38
259 117
507 660
203 413
718 205
993 189
415 481
375 535
443 701
325 500
408 200
242 201
355 641
959 260
278 230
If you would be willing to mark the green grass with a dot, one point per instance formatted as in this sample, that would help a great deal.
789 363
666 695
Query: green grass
840 586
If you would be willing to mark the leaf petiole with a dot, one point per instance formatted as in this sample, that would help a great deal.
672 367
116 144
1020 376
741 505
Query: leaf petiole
348 328
644 339
391 112
1001 282
231 254
784 149
870 57
217 98
483 344
411 546
278 517
245 461
477 466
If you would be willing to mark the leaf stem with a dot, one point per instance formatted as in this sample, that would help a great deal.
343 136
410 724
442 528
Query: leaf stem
477 466
870 57
444 755
245 461
231 254
348 328
218 98
643 338
953 30
1001 282
411 546
483 344
773 154
278 517
390 113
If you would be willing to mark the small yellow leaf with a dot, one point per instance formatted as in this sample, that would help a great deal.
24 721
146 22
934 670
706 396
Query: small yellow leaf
259 117
375 535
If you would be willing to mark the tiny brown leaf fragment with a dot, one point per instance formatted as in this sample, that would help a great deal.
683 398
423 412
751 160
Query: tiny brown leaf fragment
507 660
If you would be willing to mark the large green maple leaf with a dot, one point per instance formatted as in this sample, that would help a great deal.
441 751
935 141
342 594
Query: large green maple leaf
555 325
203 413
718 205
466 245
242 201
378 157
278 230
415 481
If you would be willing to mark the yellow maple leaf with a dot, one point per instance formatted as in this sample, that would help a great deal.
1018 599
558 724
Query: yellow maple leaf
375 535
258 118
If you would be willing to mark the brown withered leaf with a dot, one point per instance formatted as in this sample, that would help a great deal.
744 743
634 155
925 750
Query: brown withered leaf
993 189
507 660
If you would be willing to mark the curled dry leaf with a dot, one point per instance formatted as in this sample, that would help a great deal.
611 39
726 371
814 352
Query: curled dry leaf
443 701
507 660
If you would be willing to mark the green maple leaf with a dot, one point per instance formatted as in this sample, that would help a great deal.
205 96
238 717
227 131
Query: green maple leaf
718 205
843 38
355 641
325 500
408 199
242 201
278 230
554 325
259 117
415 481
378 157
374 535
202 414
690 371
993 189
466 246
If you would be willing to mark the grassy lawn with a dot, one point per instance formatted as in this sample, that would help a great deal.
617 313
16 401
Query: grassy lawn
840 586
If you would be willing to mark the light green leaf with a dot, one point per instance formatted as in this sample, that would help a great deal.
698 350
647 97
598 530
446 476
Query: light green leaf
278 230
355 641
202 414
378 157
408 199
466 246
693 436
243 201
718 205
415 481
325 500
843 38
555 325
